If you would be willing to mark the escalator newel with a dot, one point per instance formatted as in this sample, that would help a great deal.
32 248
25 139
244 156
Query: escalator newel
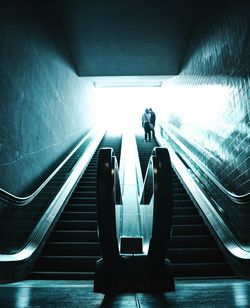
134 272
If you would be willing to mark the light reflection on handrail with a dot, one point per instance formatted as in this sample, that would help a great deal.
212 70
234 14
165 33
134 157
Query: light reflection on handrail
12 199
241 199
158 187
16 266
236 249
108 196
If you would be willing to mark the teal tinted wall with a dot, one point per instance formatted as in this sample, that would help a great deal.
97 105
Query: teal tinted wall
213 117
45 108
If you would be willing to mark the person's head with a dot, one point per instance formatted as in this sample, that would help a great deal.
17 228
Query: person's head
147 110
150 109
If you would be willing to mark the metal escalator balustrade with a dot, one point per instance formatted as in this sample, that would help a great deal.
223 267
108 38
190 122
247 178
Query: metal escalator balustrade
193 252
131 268
20 215
73 246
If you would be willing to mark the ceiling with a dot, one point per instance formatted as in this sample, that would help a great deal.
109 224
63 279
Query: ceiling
128 37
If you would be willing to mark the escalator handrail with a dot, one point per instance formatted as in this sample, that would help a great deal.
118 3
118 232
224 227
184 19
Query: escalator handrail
160 187
226 237
10 263
12 199
240 199
108 195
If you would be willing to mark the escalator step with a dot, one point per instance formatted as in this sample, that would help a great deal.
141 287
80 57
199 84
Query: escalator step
187 219
67 263
76 225
74 236
73 215
72 249
197 241
195 255
201 270
180 211
182 203
187 230
80 208
83 200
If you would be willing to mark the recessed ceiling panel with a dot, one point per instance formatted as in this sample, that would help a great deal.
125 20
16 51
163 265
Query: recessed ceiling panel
128 38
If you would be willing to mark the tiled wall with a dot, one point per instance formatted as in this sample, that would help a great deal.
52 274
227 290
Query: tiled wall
217 67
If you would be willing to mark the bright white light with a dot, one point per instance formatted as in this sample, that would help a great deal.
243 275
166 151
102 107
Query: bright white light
122 108
196 105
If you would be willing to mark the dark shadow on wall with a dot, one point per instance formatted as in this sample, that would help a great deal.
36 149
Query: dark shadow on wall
41 21
37 94
221 34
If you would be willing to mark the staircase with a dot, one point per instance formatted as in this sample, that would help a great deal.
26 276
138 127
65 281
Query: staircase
73 248
193 251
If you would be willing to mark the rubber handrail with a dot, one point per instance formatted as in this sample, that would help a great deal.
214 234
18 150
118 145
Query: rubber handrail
108 195
163 206
158 184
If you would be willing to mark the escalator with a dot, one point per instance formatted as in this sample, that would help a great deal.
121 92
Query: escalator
72 249
193 251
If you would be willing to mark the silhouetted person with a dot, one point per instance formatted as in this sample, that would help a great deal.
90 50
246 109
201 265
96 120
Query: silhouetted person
146 124
152 121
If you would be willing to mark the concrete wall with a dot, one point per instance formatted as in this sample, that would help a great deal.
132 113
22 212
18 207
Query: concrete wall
45 108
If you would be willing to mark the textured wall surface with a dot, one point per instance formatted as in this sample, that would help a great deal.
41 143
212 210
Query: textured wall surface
218 63
212 99
44 107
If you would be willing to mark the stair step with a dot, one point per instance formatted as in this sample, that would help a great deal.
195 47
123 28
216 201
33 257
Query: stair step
74 236
197 241
72 249
185 211
195 255
83 194
72 207
178 196
187 219
83 200
83 215
182 203
201 270
187 230
76 225
88 188
67 263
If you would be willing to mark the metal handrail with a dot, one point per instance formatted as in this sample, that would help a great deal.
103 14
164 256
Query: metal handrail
12 199
241 199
